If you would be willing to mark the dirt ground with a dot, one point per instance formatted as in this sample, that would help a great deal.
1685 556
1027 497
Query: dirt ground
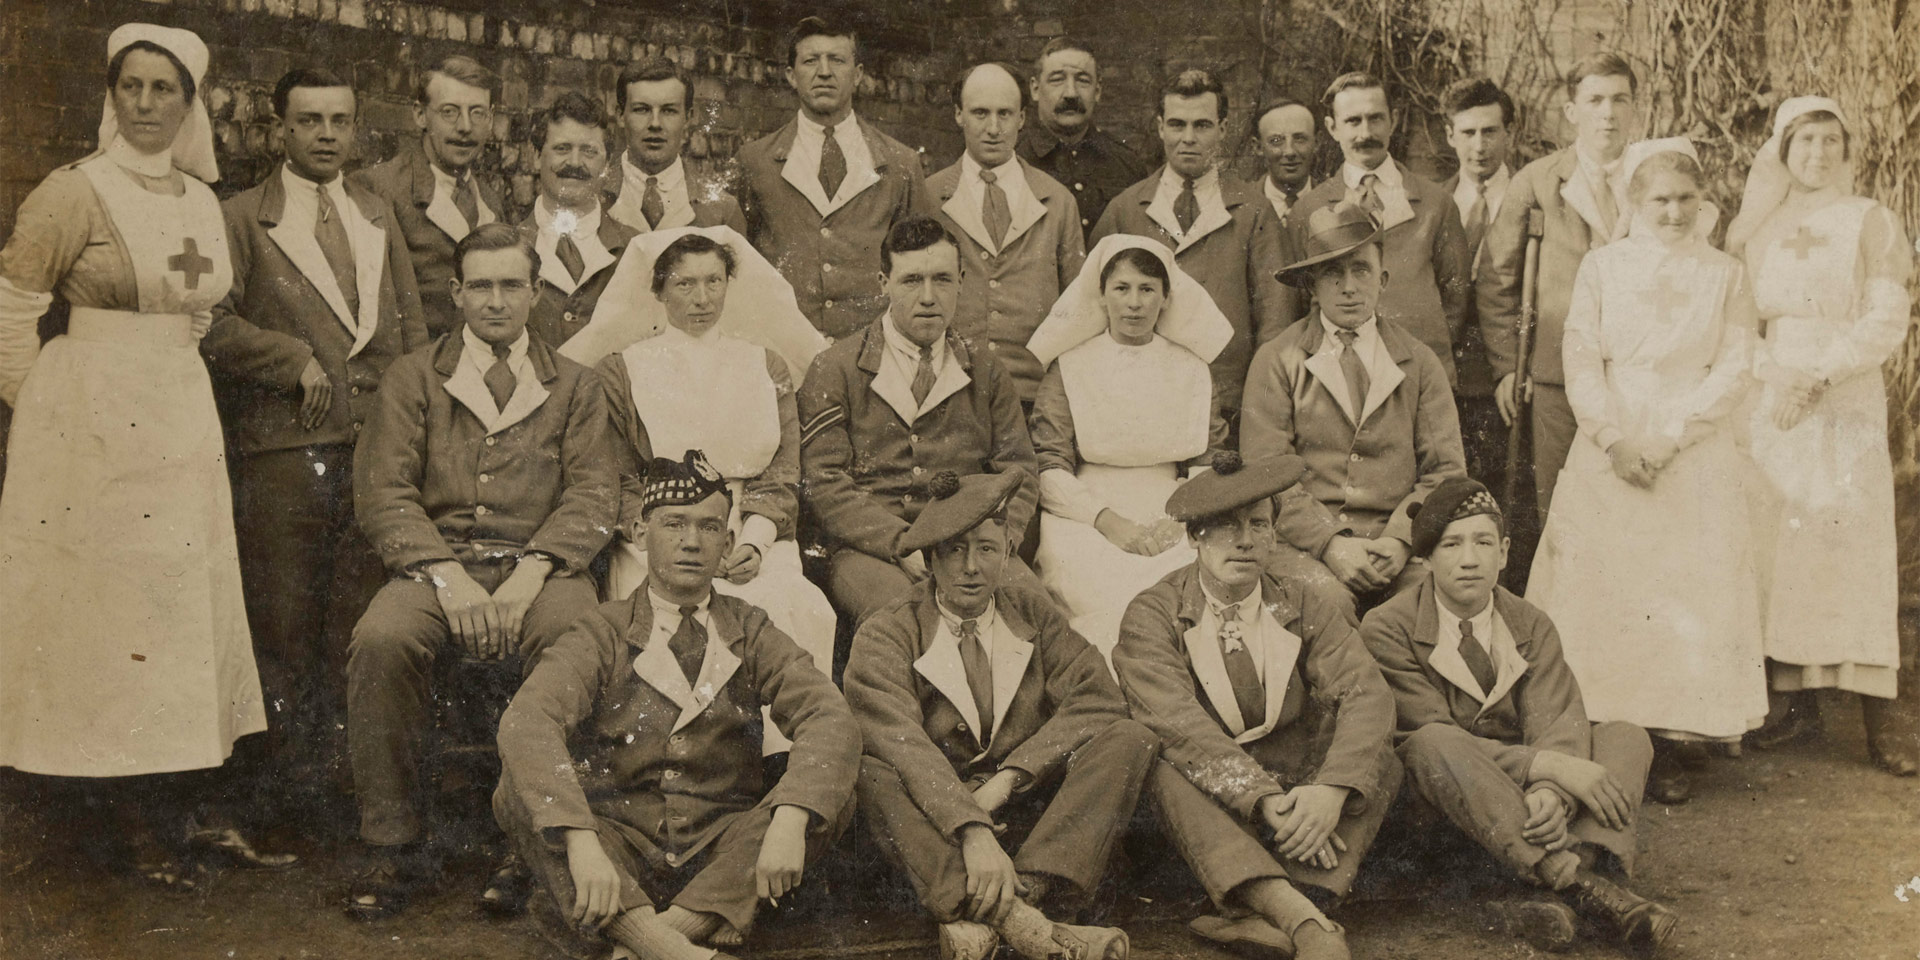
1807 853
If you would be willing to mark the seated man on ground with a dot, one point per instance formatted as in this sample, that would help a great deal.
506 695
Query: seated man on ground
1493 733
484 481
1277 769
631 779
988 721
1365 403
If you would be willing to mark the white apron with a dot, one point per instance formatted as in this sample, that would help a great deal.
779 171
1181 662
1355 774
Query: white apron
124 646
1138 413
1824 517
713 394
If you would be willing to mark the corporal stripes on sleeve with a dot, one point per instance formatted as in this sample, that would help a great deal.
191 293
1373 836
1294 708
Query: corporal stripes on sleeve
823 420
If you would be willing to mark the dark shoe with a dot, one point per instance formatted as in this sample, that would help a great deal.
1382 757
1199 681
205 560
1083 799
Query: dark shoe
1670 787
384 887
1891 744
1690 755
154 864
1545 923
1900 763
508 889
1639 924
1797 722
1036 887
228 844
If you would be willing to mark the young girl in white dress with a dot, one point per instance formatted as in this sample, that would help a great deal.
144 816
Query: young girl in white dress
1829 271
1125 408
1646 562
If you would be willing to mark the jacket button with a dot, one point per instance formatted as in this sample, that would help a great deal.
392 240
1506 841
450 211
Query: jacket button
677 739
995 284
490 441
356 427
1354 457
353 392
673 859
962 727
826 268
826 231
914 438
567 316
918 471
670 774
486 477
1343 518
1079 186
481 510
828 304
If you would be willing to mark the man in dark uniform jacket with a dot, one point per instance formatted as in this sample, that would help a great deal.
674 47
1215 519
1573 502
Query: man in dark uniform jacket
578 242
323 302
1065 144
485 483
1276 769
631 778
981 706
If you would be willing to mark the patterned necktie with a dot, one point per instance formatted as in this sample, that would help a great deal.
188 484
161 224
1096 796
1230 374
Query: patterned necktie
1477 219
973 658
569 254
499 379
689 643
1354 370
464 202
1370 195
652 205
833 164
332 237
994 209
923 376
1186 207
1241 671
1478 663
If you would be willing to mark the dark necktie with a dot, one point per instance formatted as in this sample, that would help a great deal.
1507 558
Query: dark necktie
499 378
1370 195
569 254
652 205
923 376
1354 370
994 209
464 202
973 658
1603 197
1186 207
689 643
833 164
332 236
1477 219
1241 671
1478 663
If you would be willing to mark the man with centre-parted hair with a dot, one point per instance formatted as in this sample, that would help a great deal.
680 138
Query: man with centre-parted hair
323 302
1222 231
883 412
438 196
989 724
1066 144
656 189
631 779
822 192
485 483
1276 770
578 243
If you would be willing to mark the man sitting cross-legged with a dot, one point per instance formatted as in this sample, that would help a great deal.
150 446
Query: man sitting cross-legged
1277 769
987 719
1494 735
631 779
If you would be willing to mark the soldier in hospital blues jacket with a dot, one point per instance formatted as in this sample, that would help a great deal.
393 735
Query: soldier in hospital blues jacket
608 735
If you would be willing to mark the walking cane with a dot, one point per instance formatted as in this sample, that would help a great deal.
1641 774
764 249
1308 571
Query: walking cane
1523 353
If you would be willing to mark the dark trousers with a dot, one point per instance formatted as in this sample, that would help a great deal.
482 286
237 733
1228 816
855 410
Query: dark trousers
1455 773
1287 560
719 879
1065 829
1226 852
389 672
308 574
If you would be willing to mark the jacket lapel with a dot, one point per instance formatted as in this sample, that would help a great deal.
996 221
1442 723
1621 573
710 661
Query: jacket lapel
439 206
303 251
1443 659
467 385
716 668
1281 648
803 171
1578 194
1028 209
1012 652
966 215
367 231
941 666
1325 367
1160 211
893 386
1387 360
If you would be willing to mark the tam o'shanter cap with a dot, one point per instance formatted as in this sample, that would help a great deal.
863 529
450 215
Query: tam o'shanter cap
1333 231
957 505
1232 484
1455 499
678 483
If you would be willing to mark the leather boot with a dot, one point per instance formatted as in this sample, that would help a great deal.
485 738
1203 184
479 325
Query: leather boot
1892 740
1640 924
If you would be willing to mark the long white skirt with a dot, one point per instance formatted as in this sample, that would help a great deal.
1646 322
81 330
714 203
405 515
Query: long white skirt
124 646
1654 591
1093 578
791 601
1824 529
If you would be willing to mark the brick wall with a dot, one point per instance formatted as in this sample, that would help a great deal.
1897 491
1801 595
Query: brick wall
52 72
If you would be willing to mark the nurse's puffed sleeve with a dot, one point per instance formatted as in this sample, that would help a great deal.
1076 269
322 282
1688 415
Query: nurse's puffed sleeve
1882 307
49 234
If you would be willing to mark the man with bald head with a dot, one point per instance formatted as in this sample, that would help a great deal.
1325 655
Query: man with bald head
1065 144
1284 129
1018 228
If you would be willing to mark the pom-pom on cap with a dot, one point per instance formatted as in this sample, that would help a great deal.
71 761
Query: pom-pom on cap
1221 490
971 500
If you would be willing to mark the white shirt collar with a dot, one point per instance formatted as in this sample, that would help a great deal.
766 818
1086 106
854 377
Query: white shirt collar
1208 182
1005 174
669 179
1248 603
551 220
1388 171
1594 167
1450 631
150 165
1278 197
983 624
906 351
1365 335
480 353
305 194
818 131
665 610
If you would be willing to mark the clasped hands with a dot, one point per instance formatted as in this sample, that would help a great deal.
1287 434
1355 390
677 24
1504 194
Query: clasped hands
1639 459
1588 782
1794 398
1302 820
1363 565
487 626
1144 539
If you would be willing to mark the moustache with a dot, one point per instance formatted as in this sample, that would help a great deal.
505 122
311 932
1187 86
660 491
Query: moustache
1070 105
573 173
1368 143
463 143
